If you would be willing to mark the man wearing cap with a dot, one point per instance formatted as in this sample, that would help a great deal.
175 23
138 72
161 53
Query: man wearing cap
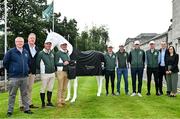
45 63
61 61
152 67
137 59
110 64
122 68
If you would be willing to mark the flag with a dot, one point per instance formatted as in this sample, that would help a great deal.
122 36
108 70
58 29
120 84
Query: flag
48 12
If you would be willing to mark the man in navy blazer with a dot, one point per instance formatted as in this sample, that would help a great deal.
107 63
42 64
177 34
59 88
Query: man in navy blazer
33 51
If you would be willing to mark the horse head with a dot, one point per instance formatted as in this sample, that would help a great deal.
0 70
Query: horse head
57 40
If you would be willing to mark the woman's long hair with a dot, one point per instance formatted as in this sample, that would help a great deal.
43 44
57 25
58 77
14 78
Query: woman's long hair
174 52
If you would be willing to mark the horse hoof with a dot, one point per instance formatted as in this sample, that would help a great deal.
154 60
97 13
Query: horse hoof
73 100
98 94
67 99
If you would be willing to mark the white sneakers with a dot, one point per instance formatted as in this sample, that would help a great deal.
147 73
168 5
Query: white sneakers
134 94
139 94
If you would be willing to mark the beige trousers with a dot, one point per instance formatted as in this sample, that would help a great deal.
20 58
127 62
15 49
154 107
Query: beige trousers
30 83
47 82
62 86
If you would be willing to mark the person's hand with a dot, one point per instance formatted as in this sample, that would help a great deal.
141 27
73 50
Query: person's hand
167 72
170 72
66 63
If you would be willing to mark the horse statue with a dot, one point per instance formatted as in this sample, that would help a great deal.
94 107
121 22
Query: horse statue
88 63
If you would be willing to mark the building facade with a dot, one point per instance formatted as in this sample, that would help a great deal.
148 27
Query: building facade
176 25
143 38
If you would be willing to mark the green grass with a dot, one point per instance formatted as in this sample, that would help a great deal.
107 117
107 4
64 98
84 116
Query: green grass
88 105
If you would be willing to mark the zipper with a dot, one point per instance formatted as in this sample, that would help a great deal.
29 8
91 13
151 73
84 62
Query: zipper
137 58
22 62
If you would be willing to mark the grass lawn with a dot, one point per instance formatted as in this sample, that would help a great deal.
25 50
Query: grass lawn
88 105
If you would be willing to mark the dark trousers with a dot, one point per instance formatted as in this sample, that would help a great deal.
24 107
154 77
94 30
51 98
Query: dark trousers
139 72
109 74
151 71
162 72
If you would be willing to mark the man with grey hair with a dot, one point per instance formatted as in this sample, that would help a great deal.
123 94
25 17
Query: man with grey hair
33 51
16 61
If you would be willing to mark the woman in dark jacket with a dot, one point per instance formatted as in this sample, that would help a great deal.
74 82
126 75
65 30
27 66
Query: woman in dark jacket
171 65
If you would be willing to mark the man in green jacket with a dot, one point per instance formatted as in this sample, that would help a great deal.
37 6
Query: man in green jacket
122 61
62 60
45 63
152 66
110 64
137 59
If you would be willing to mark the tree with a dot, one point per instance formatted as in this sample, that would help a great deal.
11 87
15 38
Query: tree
68 29
25 16
94 39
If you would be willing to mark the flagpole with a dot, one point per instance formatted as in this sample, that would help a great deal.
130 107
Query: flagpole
53 17
5 40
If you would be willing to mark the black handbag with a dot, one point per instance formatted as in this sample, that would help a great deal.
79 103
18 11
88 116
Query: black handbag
71 70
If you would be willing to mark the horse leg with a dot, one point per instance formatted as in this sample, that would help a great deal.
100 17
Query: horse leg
68 91
98 84
75 89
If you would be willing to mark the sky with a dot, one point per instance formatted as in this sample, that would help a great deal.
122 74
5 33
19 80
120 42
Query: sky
123 18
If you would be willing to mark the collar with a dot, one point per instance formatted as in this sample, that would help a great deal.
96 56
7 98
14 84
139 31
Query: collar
31 46
64 51
48 52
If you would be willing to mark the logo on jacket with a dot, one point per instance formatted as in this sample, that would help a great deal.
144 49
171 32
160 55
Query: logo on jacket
26 55
155 53
113 56
52 55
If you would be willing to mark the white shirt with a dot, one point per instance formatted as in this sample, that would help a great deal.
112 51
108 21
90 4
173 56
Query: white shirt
20 50
32 50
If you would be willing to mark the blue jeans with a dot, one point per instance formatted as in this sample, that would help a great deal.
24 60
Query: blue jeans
124 72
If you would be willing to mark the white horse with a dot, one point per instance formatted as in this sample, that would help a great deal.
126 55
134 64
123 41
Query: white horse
56 40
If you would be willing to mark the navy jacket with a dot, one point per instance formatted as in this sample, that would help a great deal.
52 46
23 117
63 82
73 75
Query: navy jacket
32 66
17 64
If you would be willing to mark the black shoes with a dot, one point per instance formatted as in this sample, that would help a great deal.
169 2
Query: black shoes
113 94
50 104
21 108
28 112
148 94
161 93
9 114
43 105
33 106
157 94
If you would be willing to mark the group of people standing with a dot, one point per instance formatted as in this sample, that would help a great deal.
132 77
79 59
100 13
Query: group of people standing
159 63
24 61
